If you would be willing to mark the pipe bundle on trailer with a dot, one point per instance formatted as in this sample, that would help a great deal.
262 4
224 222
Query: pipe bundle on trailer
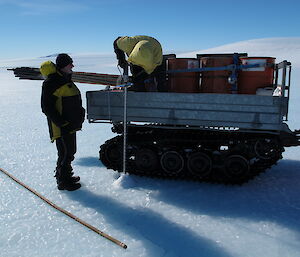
80 77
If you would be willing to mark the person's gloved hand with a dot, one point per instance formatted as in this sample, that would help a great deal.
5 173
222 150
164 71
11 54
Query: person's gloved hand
68 127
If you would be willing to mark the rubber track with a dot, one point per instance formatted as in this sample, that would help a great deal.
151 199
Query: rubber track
178 140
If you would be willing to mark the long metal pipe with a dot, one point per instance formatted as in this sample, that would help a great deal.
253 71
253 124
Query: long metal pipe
119 243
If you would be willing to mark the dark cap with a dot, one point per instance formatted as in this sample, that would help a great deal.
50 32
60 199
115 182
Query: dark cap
62 60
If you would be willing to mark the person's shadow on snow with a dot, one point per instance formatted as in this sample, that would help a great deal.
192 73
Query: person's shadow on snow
149 226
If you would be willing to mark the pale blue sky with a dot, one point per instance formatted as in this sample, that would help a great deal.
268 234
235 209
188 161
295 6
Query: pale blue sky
33 28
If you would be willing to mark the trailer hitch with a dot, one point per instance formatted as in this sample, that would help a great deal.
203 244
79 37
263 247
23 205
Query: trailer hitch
290 138
297 135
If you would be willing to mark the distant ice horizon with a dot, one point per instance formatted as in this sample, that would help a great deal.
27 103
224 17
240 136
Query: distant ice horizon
284 47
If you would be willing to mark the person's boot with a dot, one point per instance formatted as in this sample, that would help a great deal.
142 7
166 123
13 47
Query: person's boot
74 178
65 181
68 185
69 169
71 174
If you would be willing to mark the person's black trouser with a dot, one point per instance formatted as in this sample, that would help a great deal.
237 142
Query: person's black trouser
139 77
66 149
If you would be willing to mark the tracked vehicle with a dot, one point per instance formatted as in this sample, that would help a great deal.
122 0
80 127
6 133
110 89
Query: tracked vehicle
224 123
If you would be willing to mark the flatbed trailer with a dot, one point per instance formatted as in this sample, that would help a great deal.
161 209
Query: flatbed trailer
226 138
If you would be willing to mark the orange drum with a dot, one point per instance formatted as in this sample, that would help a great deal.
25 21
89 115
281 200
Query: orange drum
183 82
215 81
251 79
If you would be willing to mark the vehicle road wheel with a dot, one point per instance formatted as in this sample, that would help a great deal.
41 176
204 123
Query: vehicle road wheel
199 164
146 160
237 169
172 162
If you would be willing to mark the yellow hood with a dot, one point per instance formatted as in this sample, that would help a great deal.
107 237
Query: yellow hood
142 51
47 68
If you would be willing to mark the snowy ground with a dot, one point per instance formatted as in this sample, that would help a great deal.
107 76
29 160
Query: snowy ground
155 218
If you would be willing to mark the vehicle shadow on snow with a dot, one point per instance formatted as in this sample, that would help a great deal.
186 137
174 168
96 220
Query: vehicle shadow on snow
144 224
272 197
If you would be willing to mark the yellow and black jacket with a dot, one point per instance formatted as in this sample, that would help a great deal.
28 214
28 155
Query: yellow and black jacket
61 102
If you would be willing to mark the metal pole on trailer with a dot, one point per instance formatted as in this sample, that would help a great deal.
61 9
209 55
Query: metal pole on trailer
125 79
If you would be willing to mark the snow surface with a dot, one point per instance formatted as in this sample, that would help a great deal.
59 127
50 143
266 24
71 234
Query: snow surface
154 217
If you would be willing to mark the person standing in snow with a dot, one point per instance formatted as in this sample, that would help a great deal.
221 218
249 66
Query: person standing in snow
144 57
61 103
